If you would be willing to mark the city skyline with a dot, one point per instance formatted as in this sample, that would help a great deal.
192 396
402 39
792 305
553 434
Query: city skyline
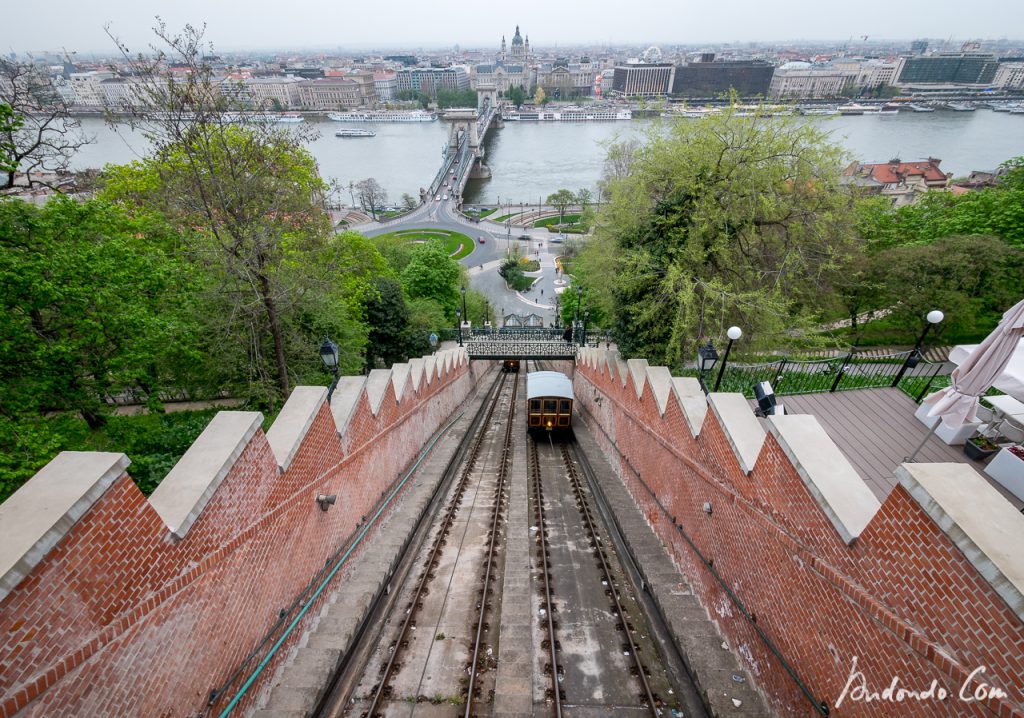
445 23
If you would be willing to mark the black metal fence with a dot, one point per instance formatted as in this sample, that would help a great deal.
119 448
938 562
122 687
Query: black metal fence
855 370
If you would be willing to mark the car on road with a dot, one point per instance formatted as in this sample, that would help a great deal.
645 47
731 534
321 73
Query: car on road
438 198
480 240
558 239
446 198
525 236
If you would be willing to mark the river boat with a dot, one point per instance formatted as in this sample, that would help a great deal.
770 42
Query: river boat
382 116
921 108
819 111
889 109
355 133
287 117
852 108
1018 110
960 107
569 114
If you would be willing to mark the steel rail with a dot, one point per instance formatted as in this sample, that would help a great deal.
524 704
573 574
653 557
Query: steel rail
439 540
574 480
506 459
534 469
328 703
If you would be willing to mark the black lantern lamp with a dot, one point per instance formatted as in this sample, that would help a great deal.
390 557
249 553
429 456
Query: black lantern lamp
329 356
707 357
458 323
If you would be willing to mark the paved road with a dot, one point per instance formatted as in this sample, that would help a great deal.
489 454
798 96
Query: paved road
484 260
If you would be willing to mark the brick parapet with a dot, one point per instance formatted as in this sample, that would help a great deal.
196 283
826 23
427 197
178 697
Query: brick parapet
121 617
902 598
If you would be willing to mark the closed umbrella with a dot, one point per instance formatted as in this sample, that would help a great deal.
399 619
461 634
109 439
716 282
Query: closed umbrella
957 404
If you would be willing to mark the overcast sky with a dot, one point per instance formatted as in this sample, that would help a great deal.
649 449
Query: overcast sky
359 24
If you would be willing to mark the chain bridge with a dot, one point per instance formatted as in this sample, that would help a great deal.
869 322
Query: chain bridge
463 158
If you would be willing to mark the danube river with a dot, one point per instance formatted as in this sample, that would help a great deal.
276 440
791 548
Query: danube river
531 160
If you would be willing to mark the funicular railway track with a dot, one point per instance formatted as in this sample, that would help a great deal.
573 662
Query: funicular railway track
437 646
404 657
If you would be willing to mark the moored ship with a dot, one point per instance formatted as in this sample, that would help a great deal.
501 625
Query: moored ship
355 133
568 114
382 116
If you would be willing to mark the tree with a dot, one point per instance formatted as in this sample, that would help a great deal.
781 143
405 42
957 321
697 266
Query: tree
561 200
372 196
253 199
37 135
432 274
388 318
584 198
9 124
517 95
94 304
540 97
973 280
409 202
733 220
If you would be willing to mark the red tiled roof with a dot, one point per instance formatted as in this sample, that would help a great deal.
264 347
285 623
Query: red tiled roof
891 172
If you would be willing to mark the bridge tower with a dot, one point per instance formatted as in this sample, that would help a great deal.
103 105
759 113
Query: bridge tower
462 120
486 96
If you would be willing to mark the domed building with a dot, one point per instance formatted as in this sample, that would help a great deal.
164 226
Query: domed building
511 68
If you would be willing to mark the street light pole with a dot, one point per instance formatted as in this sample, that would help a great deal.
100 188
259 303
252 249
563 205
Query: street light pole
463 290
933 317
734 333
458 324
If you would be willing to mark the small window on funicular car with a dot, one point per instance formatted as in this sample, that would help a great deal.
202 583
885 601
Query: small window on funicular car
549 405
534 404
563 421
563 406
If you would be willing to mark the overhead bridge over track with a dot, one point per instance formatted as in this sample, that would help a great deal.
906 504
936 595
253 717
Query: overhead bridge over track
518 344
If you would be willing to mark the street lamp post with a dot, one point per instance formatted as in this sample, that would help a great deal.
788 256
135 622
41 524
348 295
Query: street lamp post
583 334
329 356
932 317
458 324
734 333
463 290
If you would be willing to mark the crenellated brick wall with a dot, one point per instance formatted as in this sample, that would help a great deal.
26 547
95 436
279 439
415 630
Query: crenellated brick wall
115 605
921 588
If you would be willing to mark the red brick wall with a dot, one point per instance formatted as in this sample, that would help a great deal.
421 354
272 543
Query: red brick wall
903 599
121 620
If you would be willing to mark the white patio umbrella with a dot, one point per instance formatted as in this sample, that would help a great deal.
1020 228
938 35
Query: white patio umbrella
957 404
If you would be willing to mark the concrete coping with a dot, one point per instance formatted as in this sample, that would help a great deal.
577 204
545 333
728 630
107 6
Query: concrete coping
619 368
183 494
344 399
40 513
826 472
977 518
638 371
744 432
399 378
660 380
291 425
417 367
377 384
430 368
692 400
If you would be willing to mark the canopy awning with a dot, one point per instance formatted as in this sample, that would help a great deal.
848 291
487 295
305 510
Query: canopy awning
1011 381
